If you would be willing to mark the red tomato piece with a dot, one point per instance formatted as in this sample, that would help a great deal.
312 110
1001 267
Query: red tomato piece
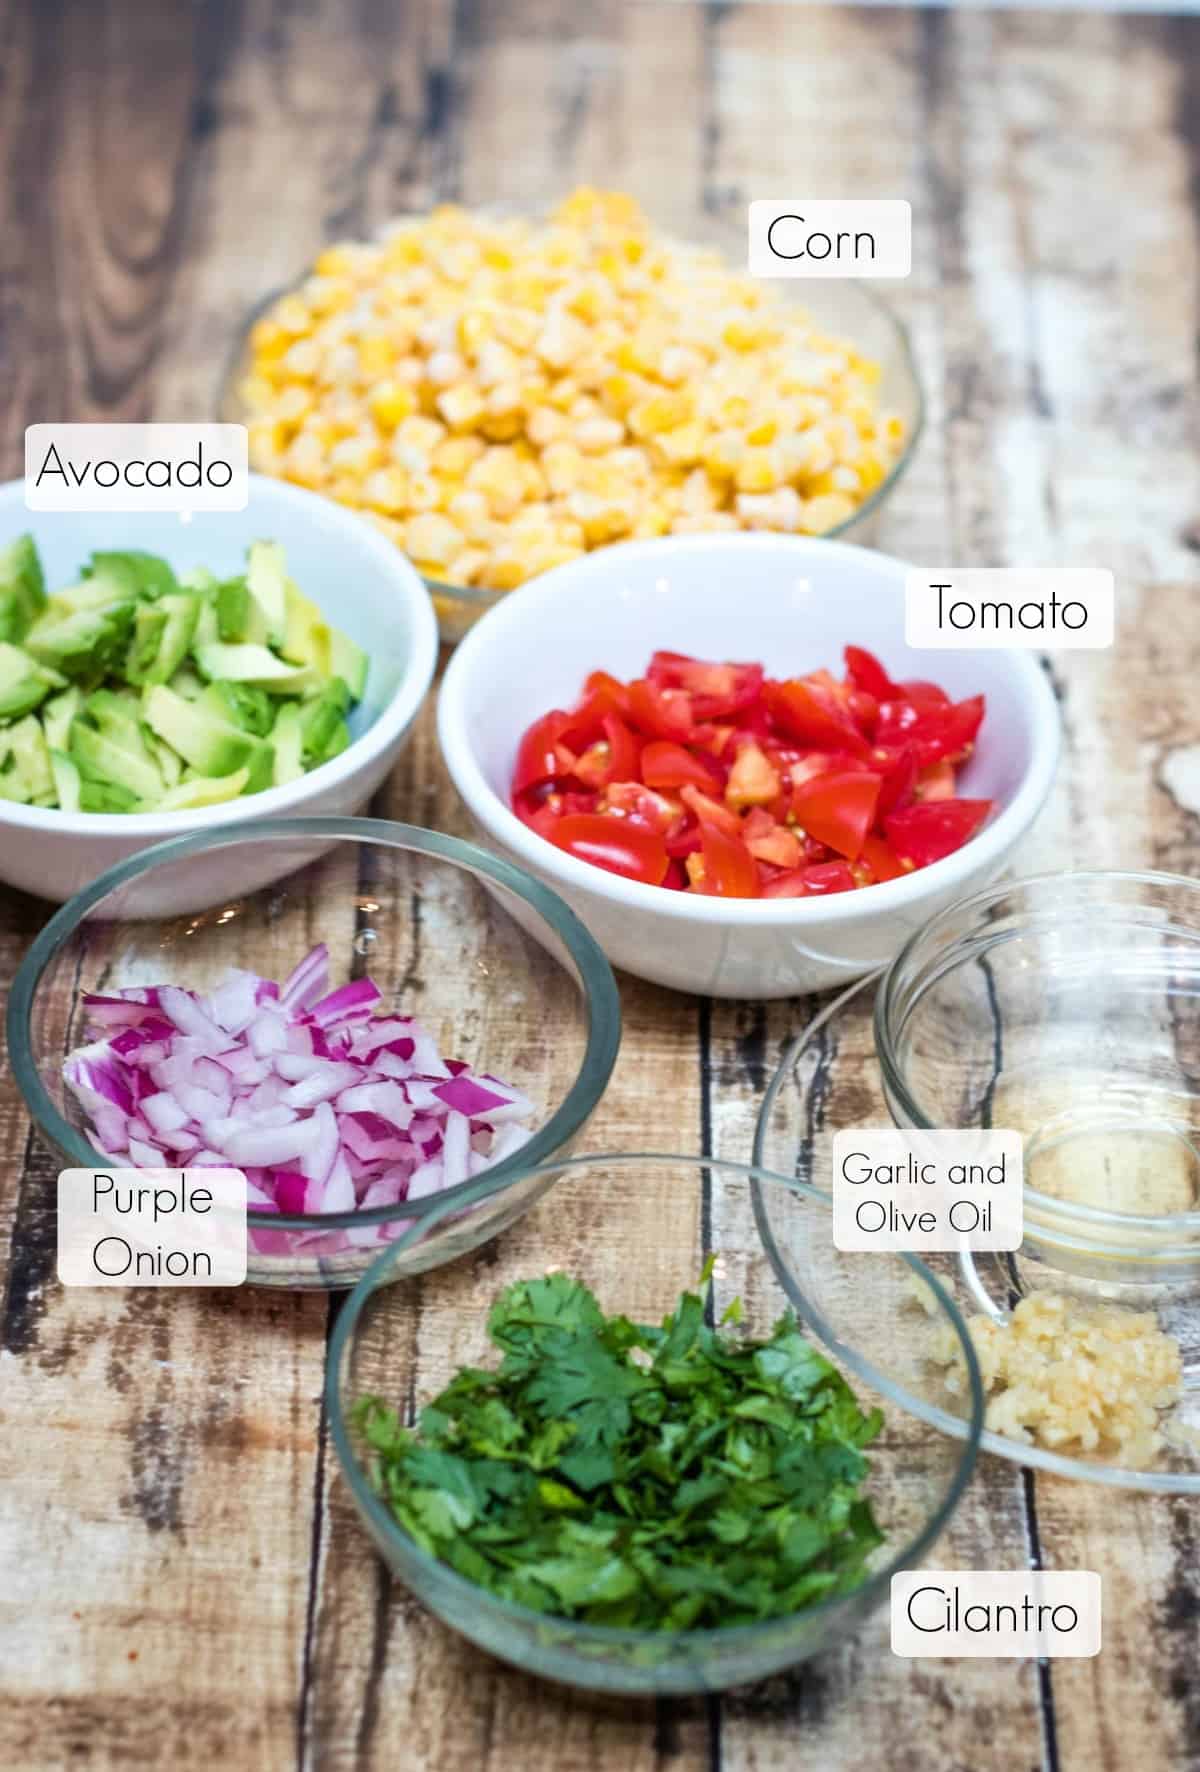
828 876
925 833
945 729
812 715
710 811
660 713
753 779
537 755
936 782
610 695
880 858
924 695
778 846
865 672
631 800
716 690
838 810
899 768
667 765
729 870
614 843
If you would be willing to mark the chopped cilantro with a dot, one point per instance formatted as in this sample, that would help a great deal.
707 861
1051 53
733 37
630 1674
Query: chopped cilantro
658 1478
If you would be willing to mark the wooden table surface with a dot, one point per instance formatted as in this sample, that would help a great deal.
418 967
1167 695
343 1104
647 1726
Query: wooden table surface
181 1580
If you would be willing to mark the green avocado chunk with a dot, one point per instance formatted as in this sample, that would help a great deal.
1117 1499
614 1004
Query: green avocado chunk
288 742
255 664
131 573
25 772
202 790
24 684
162 634
67 782
22 588
209 744
267 582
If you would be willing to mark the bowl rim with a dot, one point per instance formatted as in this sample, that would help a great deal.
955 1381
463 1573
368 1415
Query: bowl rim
985 849
385 730
479 597
599 992
875 1584
1071 1214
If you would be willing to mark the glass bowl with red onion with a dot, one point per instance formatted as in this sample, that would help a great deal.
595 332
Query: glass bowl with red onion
364 1038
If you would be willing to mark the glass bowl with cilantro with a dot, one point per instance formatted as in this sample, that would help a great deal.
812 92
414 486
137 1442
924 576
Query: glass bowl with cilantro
617 1457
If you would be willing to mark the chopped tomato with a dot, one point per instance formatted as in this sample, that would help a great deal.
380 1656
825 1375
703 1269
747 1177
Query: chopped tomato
811 882
865 672
660 713
899 768
537 755
812 716
717 690
629 799
752 780
710 777
880 860
936 782
838 809
729 870
614 843
710 811
667 765
828 876
778 846
937 730
925 833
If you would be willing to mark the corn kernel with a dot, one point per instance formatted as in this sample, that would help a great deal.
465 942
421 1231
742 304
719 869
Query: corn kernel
821 514
461 406
761 470
391 402
432 538
662 412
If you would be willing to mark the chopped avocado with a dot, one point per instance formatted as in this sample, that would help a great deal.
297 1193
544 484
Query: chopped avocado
110 757
162 633
240 704
201 790
67 781
349 662
266 580
25 772
23 682
170 764
254 664
22 588
323 731
84 645
239 616
287 739
307 638
56 717
210 745
132 573
187 682
207 630
129 689
105 796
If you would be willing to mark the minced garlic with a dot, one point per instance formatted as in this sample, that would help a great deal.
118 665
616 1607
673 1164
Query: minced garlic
1073 1376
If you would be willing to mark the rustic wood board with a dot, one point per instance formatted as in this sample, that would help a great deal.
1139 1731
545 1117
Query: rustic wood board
183 1579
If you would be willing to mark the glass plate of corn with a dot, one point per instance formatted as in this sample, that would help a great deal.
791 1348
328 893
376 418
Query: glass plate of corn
500 393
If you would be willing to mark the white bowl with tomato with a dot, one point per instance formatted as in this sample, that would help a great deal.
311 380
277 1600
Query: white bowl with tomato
723 753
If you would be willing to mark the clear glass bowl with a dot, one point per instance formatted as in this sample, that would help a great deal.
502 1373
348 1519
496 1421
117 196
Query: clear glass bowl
849 308
1067 1007
498 969
637 1229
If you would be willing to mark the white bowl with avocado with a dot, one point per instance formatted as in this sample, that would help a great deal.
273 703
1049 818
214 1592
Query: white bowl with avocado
158 677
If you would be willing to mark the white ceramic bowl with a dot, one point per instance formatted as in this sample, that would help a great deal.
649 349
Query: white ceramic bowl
792 604
358 578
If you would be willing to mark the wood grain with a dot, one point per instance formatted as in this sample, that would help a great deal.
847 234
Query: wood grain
183 1577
